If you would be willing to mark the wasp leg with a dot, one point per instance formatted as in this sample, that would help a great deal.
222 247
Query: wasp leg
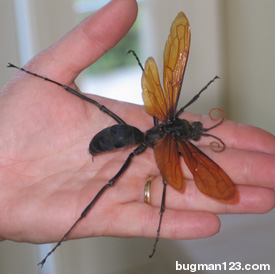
162 209
73 91
196 97
139 63
137 151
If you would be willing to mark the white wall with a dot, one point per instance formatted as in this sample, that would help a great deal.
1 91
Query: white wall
250 45
9 43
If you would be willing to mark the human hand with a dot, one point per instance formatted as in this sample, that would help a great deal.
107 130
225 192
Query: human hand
48 176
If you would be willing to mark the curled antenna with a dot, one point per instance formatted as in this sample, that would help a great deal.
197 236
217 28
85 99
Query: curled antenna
220 145
220 114
217 146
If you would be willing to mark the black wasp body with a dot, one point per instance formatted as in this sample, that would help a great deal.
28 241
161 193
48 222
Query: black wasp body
170 136
123 135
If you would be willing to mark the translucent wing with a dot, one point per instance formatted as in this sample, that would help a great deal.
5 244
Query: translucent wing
168 161
175 59
156 102
210 179
153 97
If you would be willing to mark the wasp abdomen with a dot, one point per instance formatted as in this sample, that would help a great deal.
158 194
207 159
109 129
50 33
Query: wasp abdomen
114 137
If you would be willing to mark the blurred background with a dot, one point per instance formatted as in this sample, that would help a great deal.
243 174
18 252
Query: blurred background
232 39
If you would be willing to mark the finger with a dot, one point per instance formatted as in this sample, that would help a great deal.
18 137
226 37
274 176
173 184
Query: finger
87 42
251 199
141 220
243 167
175 224
236 135
246 137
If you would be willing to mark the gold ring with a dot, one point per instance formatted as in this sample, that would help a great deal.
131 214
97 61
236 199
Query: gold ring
147 194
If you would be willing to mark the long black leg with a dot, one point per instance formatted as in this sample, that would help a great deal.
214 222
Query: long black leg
155 119
196 96
137 151
139 63
101 107
162 208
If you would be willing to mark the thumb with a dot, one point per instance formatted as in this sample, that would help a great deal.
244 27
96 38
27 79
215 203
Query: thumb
87 42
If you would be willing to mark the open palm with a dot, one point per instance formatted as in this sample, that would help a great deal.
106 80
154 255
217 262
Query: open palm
48 176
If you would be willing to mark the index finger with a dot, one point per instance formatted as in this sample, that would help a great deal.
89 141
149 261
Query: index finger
236 135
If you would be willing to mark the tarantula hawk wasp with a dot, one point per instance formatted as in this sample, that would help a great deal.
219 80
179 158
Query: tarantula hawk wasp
170 135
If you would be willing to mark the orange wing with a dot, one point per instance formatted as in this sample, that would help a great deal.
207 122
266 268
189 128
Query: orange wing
156 102
168 161
209 177
152 94
175 59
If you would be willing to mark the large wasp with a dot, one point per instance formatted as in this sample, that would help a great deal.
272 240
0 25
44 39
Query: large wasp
169 137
